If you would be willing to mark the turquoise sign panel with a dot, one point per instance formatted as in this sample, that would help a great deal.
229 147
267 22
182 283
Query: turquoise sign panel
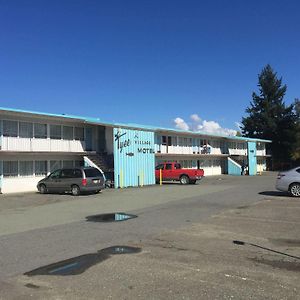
134 157
252 163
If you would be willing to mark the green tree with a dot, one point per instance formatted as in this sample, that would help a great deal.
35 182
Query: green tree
269 117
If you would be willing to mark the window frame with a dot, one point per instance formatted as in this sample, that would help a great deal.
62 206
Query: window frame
40 136
6 174
55 135
5 131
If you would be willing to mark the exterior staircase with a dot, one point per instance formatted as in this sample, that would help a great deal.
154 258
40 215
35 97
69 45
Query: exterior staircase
103 162
236 159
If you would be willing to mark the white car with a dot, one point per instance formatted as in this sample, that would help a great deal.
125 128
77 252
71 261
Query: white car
289 181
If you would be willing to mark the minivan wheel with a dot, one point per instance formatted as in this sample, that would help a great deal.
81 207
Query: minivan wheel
42 189
295 189
75 190
184 179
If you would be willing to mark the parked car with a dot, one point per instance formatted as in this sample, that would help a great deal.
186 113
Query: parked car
76 181
289 181
172 171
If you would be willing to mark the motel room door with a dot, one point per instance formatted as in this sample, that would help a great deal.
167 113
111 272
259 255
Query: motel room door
88 139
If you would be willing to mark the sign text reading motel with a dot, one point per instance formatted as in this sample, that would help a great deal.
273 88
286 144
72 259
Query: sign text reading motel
144 146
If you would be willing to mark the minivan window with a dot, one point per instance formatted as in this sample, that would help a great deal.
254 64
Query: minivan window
92 173
55 174
67 173
77 173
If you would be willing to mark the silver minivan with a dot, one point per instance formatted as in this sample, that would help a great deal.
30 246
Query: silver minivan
76 181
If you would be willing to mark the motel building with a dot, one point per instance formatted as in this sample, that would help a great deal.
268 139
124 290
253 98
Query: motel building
33 144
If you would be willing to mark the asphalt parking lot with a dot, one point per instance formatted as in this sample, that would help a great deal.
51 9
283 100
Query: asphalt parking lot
185 234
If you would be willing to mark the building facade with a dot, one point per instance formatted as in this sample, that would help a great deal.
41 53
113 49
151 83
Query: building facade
34 144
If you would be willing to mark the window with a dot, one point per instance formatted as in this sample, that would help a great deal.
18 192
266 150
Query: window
77 173
67 133
10 168
26 168
159 167
40 167
54 165
55 174
177 166
168 167
93 172
78 163
180 141
68 164
10 128
25 130
55 132
79 133
164 140
40 131
169 141
67 173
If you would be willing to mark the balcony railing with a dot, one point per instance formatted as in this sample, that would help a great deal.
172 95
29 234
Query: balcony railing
41 145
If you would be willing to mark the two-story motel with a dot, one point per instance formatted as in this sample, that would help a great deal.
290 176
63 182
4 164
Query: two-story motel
33 144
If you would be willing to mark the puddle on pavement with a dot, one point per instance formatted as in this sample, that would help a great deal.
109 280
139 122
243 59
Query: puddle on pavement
77 265
112 217
286 242
279 264
121 250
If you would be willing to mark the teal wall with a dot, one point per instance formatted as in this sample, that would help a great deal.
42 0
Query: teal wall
134 157
1 175
252 162
233 168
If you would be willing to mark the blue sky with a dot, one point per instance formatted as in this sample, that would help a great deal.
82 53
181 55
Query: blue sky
145 62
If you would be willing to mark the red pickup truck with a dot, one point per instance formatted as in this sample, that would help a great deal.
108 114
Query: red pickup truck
172 171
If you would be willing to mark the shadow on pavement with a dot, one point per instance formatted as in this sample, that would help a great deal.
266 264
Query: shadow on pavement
275 193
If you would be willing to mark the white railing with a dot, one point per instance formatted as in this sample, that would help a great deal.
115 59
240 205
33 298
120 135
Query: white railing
261 152
176 149
40 145
237 151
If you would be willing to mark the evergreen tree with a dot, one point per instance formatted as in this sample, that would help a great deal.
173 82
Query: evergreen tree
269 117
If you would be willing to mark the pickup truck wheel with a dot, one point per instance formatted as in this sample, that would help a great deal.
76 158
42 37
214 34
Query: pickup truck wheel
184 179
